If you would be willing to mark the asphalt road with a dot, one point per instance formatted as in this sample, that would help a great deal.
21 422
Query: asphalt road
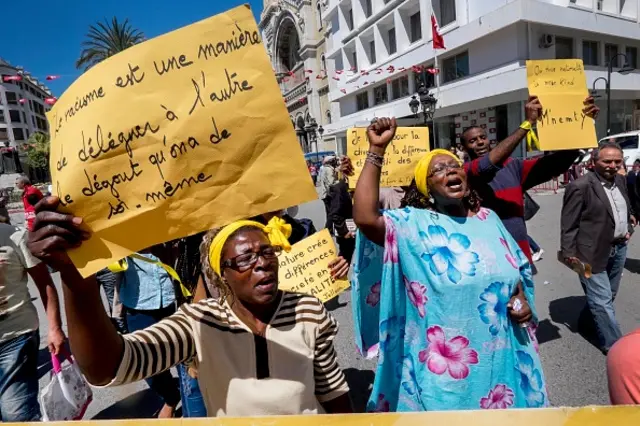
574 368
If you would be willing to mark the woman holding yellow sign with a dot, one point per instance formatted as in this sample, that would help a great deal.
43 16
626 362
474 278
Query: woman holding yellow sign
442 293
258 350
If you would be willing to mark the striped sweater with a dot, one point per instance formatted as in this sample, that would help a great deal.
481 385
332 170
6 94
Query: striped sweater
288 371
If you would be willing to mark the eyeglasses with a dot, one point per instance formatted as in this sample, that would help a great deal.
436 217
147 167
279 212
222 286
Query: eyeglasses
442 169
246 261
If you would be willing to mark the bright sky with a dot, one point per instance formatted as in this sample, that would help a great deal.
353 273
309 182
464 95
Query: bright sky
44 36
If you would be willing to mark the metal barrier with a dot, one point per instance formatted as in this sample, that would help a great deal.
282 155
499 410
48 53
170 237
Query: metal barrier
552 185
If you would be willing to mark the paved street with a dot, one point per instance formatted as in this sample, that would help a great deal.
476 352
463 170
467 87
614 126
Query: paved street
575 369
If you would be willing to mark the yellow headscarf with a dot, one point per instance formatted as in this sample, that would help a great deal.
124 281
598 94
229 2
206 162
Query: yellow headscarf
422 169
278 231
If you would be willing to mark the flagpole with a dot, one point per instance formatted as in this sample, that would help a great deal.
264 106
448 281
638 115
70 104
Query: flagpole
437 78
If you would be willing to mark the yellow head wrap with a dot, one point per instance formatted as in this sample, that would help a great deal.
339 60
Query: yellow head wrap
422 169
278 231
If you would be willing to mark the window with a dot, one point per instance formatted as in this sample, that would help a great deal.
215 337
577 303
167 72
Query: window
4 135
424 77
1 116
11 98
27 132
393 45
400 87
416 27
564 48
368 8
611 53
14 116
319 15
33 120
590 52
350 19
24 117
456 67
380 94
447 12
18 134
632 56
362 101
354 60
323 60
372 52
328 117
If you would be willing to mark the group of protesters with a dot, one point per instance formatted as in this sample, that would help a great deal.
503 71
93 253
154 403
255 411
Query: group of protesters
442 291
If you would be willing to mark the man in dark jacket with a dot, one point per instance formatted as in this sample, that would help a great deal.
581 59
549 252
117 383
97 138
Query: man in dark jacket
341 218
597 222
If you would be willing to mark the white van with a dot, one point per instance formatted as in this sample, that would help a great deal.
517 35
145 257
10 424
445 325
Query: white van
629 142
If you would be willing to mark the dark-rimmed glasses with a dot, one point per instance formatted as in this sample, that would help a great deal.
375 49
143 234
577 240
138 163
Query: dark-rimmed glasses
246 261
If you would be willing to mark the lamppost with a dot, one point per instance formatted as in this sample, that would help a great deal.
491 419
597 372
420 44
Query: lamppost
312 135
426 100
626 69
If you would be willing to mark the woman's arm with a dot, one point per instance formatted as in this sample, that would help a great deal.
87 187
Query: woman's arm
332 390
365 207
99 350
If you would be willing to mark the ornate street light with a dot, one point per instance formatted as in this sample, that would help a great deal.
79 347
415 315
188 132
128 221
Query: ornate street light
426 100
311 130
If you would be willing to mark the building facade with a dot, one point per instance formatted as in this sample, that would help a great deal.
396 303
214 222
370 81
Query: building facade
374 46
22 113
295 38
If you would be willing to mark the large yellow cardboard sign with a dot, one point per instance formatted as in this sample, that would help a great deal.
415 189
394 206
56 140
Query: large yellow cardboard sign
584 416
305 269
173 136
561 85
407 147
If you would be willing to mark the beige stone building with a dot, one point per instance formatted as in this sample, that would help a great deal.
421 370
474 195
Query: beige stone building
294 36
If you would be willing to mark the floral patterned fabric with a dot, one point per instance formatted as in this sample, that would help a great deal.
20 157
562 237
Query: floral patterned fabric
432 304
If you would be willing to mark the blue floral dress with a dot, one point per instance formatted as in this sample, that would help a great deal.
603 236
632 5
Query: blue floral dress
433 306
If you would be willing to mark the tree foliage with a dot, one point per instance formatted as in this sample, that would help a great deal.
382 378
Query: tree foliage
37 150
105 39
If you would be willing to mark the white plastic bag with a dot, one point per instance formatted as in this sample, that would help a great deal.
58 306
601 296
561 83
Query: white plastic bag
68 394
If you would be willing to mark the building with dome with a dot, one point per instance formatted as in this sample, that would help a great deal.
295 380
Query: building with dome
294 36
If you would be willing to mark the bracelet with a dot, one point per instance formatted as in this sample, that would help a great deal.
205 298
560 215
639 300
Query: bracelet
375 159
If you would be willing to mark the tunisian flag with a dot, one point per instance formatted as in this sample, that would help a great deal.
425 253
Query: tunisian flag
438 41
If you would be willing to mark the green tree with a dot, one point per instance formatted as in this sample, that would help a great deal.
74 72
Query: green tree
105 40
37 150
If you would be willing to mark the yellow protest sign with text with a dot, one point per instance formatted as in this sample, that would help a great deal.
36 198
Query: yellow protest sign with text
179 134
561 85
305 269
401 157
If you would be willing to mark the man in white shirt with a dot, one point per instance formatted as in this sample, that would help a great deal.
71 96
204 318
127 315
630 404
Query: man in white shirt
19 334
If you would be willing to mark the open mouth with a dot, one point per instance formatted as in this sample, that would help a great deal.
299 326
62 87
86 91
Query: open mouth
454 184
267 284
482 151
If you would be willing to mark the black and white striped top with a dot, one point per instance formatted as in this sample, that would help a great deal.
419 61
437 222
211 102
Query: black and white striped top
288 371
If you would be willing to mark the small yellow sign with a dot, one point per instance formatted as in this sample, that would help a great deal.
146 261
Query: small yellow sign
305 269
173 136
403 153
561 86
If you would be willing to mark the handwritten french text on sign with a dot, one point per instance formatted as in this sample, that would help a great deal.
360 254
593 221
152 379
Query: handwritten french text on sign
173 136
561 85
407 147
305 269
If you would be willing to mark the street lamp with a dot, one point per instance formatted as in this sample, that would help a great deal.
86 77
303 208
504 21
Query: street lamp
425 100
311 130
626 69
